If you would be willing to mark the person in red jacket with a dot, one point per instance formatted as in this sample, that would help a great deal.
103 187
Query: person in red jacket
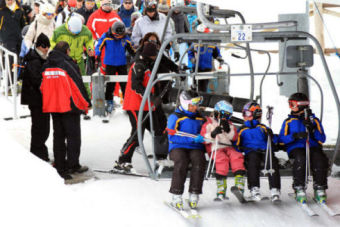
64 95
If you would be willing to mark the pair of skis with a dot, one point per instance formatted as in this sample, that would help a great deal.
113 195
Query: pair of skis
113 171
185 213
306 208
242 199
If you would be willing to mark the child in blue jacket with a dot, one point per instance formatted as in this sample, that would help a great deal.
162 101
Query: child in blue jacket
116 42
185 149
299 130
252 139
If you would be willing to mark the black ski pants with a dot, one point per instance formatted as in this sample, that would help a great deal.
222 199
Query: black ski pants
182 158
66 141
110 86
319 167
203 84
254 166
40 131
159 124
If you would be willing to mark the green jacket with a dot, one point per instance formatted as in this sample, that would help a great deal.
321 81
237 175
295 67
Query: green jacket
76 42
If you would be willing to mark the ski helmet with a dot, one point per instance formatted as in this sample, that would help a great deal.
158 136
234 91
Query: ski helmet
150 5
118 28
299 100
252 109
72 4
189 97
224 108
74 24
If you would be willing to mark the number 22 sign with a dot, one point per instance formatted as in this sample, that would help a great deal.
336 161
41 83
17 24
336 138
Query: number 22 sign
241 33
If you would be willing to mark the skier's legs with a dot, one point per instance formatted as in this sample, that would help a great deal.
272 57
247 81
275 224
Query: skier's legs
319 167
236 160
275 178
180 157
122 71
299 166
59 146
40 131
71 123
222 162
253 169
197 159
110 86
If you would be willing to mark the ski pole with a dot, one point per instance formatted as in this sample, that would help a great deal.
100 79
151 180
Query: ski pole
308 171
209 164
268 154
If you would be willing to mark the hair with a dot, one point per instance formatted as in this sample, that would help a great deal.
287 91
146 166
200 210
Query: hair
147 36
62 46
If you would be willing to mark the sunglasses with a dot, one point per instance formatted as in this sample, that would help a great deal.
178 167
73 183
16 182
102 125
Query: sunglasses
295 103
48 14
128 3
44 46
151 10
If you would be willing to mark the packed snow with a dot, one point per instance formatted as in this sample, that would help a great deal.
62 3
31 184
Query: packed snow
33 194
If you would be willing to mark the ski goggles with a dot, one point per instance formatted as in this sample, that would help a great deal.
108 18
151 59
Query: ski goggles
225 115
194 101
48 14
254 111
295 103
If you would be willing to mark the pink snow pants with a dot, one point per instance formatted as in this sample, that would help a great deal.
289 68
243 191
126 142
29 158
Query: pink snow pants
227 155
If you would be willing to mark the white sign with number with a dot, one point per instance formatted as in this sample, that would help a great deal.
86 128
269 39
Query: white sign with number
241 33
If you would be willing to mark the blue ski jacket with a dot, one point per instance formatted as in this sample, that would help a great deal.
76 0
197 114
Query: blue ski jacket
254 135
294 124
206 56
125 15
114 49
188 122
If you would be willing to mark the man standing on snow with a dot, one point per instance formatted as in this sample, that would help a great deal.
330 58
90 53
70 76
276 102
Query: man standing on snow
64 95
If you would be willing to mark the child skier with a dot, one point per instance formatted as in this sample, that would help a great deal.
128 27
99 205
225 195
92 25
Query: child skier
302 132
219 127
185 150
115 42
253 137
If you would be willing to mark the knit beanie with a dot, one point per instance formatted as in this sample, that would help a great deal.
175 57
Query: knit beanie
42 41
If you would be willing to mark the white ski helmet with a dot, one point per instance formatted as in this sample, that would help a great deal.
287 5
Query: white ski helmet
189 97
74 24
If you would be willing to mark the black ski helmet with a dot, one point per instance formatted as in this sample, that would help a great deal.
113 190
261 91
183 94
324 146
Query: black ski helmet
118 28
150 5
300 100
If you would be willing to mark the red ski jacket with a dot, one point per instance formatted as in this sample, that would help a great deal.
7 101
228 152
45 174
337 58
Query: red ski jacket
62 87
138 79
99 22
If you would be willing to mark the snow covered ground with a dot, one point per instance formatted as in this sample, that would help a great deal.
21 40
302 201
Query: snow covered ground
32 193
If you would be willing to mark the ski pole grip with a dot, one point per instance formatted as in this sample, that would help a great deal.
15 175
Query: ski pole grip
171 131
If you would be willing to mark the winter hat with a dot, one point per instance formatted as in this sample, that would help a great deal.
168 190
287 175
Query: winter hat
42 41
74 24
163 8
149 50
27 9
135 15
47 8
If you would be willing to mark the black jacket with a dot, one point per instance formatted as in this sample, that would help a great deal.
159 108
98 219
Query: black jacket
181 22
11 24
31 79
85 12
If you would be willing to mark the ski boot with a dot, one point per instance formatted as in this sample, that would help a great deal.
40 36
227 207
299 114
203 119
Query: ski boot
177 202
193 200
255 194
320 195
124 167
109 106
275 194
221 189
300 194
239 183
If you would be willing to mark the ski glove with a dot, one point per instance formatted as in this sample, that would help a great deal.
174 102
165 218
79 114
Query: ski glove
217 130
220 60
300 135
309 126
225 125
176 56
199 139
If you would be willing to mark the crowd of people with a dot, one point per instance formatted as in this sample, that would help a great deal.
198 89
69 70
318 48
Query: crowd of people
57 44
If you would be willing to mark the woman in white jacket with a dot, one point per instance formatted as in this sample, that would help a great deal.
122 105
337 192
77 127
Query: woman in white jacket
43 23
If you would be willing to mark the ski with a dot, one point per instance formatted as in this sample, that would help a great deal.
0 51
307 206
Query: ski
326 208
238 194
122 173
193 211
218 199
182 212
305 207
276 200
